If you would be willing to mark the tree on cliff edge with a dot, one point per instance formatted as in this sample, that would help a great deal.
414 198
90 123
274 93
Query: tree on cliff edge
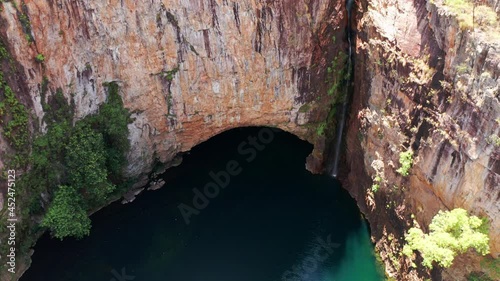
451 233
66 216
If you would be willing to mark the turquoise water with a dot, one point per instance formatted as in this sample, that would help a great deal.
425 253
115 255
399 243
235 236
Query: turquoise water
273 221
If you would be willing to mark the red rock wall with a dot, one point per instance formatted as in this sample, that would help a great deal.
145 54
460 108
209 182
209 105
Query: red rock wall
237 63
421 82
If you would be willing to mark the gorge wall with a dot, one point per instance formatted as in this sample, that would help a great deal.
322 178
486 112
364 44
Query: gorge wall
189 70
425 83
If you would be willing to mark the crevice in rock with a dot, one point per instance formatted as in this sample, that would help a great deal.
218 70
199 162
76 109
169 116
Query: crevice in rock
206 39
236 12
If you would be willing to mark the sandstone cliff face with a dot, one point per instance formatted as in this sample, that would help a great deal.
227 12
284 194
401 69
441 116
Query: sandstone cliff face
188 70
423 83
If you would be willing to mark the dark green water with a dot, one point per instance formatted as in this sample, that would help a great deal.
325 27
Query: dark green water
274 221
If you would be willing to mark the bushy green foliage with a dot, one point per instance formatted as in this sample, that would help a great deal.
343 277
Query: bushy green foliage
451 233
462 68
3 52
491 266
485 16
112 121
494 140
13 117
406 161
47 159
86 161
66 216
376 183
16 129
462 10
86 158
58 110
478 276
337 73
40 58
169 74
320 131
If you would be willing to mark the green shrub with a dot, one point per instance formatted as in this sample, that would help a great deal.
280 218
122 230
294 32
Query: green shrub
478 276
462 68
451 233
320 131
462 10
40 58
485 16
169 74
25 21
112 121
26 25
491 266
16 117
376 183
86 159
406 161
494 140
66 216
58 109
3 52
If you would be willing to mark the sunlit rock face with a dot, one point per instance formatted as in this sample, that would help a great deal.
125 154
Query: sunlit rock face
426 84
188 70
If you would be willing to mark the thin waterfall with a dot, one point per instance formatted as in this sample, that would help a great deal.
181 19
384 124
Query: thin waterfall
345 102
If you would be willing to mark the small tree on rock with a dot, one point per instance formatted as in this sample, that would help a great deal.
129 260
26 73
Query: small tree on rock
66 217
451 233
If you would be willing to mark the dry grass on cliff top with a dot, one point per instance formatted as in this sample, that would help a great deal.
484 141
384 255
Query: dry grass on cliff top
472 16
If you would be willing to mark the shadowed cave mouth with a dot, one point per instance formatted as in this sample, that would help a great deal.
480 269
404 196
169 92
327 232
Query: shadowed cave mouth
241 206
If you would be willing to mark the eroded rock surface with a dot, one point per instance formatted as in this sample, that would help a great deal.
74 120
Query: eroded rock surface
188 70
423 83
